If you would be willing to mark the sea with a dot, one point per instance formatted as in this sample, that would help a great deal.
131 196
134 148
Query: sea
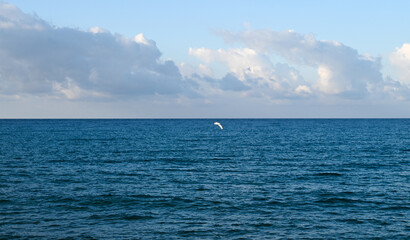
189 179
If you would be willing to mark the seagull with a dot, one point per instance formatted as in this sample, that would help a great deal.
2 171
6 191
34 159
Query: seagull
218 124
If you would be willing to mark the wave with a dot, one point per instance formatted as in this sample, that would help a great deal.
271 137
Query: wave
128 217
331 174
352 221
335 200
396 208
5 201
262 224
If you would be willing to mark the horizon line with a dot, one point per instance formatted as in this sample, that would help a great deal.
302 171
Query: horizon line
209 118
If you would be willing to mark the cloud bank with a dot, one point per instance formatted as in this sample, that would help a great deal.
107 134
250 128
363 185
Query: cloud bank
37 58
254 73
268 70
340 69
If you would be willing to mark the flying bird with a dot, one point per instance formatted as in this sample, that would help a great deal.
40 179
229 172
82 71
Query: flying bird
218 124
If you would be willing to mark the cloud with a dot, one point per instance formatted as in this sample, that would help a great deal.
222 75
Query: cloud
242 62
232 83
254 72
400 59
45 69
12 18
341 69
40 59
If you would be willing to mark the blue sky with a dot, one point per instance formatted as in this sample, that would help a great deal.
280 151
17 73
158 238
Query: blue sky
205 59
371 26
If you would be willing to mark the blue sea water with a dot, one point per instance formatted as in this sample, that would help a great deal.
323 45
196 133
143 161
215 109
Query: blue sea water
187 179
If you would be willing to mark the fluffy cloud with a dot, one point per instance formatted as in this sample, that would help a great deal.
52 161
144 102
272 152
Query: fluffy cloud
400 59
12 18
254 72
273 74
341 70
39 59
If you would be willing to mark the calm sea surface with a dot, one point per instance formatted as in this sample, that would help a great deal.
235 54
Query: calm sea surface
174 179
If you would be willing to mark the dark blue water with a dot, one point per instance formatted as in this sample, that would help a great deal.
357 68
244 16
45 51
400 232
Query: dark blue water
173 179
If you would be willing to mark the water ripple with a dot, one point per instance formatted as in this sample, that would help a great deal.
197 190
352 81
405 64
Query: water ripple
173 179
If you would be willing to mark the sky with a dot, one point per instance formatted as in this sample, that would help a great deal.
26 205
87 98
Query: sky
204 59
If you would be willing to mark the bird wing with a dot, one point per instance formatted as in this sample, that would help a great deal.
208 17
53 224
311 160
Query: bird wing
217 123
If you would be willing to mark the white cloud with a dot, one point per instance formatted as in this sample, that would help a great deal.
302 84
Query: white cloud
45 70
187 70
12 18
400 59
341 69
97 30
242 62
253 72
39 59
303 90
140 38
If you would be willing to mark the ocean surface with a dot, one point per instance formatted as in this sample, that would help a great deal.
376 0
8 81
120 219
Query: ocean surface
188 179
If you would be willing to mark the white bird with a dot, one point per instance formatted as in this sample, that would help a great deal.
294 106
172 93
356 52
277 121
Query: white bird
218 124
